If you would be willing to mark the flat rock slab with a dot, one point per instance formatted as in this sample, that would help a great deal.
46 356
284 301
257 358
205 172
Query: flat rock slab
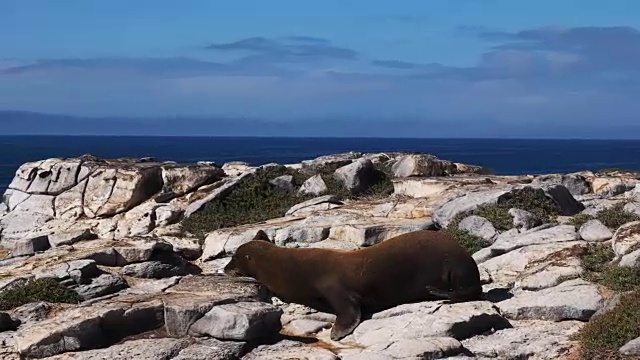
556 234
571 300
420 320
87 327
410 349
143 349
543 340
288 350
508 267
220 287
239 321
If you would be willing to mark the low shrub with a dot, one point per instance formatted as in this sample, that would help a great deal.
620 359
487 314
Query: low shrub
580 219
255 199
602 336
467 240
528 198
615 216
45 289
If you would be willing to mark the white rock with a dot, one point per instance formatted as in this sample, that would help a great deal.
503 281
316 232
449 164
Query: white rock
69 204
523 219
556 234
467 202
422 165
288 350
409 349
626 237
357 176
314 186
571 300
478 226
239 321
594 230
420 320
318 203
70 237
541 340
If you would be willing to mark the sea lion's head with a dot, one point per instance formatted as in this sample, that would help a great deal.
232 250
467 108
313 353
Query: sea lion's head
243 261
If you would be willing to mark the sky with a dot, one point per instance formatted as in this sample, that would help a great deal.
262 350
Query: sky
464 65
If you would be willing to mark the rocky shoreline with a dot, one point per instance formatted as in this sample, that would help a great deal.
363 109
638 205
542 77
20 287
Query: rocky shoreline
122 258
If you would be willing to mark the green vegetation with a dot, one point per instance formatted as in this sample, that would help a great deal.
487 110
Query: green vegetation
580 219
615 216
255 199
45 289
602 336
612 217
470 242
530 199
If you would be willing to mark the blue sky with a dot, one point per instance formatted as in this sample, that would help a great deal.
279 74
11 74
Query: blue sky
488 63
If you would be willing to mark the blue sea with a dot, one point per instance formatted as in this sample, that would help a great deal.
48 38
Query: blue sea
503 156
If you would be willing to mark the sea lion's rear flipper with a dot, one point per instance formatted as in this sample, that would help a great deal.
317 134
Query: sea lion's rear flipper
347 309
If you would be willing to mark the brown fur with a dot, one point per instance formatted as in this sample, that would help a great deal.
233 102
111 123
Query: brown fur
417 266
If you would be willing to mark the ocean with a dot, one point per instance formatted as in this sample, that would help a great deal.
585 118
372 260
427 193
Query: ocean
503 156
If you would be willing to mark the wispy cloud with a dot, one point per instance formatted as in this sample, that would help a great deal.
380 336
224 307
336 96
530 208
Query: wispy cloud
292 49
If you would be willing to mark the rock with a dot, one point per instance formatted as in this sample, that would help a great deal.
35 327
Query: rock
569 206
559 233
507 267
626 237
287 350
469 201
540 340
7 323
182 310
571 300
112 190
188 248
131 250
69 205
104 284
77 271
478 226
141 349
236 168
220 288
335 160
549 273
179 180
633 207
155 269
86 327
30 246
314 186
315 204
411 349
611 186
357 176
524 220
594 230
222 189
576 183
283 183
305 327
422 165
420 320
32 312
71 237
239 321
166 215
630 348
609 305
26 213
211 349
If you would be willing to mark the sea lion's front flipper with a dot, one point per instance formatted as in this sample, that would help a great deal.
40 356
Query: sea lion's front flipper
347 309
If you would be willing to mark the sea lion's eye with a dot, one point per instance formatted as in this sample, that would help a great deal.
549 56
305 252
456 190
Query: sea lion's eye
247 257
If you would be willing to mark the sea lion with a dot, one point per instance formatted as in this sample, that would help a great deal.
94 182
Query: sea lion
413 267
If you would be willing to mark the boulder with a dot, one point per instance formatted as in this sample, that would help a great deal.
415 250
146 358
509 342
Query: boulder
357 176
422 165
571 300
556 234
319 203
576 183
239 321
524 220
594 231
283 183
289 349
314 186
626 237
478 226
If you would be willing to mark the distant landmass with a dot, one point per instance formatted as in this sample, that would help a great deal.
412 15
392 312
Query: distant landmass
34 123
